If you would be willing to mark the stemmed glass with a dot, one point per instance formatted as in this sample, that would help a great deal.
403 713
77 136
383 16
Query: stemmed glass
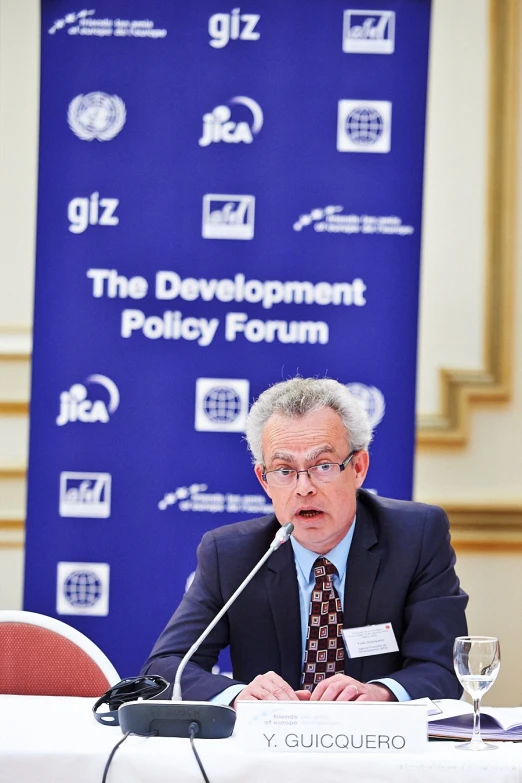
477 661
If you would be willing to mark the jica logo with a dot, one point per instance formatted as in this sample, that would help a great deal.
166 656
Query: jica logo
231 27
91 211
218 125
89 405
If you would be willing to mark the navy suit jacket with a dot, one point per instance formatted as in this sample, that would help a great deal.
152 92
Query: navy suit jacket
400 570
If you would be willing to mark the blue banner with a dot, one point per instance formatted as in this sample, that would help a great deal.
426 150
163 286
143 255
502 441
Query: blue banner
227 197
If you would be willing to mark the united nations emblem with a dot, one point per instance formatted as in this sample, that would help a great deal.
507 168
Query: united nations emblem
96 116
371 399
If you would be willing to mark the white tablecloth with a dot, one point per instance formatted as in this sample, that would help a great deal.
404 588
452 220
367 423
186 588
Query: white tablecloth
57 740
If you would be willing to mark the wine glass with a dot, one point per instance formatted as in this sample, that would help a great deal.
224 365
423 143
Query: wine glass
477 661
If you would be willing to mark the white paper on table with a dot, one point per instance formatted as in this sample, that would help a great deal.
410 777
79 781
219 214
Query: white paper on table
456 720
433 707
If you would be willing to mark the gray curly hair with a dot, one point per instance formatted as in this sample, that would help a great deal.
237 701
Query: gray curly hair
299 396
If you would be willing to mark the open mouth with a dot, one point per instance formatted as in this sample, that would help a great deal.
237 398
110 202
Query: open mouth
309 513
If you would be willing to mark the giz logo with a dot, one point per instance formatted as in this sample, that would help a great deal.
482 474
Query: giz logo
83 212
74 405
217 125
227 27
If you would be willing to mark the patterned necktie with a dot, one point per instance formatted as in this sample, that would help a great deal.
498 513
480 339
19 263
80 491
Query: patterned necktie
324 651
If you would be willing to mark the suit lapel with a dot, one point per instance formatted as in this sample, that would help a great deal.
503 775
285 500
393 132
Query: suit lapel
361 572
283 593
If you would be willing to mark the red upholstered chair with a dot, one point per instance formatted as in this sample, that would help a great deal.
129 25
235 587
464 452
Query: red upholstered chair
42 656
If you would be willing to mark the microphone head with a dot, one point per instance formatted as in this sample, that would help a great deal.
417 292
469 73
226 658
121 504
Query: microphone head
288 529
282 535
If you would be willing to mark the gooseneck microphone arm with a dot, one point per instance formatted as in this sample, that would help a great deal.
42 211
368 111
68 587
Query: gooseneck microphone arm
281 536
178 718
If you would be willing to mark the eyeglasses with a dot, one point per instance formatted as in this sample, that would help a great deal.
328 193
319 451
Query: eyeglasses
130 689
319 474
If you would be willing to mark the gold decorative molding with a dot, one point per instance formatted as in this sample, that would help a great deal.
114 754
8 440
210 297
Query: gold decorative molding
12 524
492 383
12 533
13 472
14 408
487 547
15 353
489 528
485 516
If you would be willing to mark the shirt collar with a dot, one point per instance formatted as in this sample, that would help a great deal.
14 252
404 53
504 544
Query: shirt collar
338 556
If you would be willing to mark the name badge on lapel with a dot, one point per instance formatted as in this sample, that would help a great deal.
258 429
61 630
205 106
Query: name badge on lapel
370 640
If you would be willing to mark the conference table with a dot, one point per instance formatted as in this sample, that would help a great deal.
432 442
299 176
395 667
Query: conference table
53 739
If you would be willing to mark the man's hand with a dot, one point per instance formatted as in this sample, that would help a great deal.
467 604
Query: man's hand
270 686
340 687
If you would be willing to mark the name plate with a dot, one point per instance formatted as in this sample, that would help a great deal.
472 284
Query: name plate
333 727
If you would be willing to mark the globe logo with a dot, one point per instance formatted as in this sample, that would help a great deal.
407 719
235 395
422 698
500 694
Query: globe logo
83 589
364 126
222 405
371 399
96 116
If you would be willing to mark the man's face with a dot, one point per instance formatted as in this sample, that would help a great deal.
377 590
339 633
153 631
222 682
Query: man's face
321 514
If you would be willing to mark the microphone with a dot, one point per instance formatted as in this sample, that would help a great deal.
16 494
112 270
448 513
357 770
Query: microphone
178 718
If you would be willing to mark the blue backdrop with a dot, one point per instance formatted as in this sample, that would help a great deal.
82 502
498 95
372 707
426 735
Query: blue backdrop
227 197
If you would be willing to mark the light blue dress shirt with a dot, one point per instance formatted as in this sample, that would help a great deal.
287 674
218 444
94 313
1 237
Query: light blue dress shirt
304 563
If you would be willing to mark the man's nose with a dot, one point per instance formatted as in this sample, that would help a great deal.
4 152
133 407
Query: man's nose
304 484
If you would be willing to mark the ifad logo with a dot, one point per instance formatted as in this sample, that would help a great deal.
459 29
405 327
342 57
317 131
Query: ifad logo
84 211
364 126
218 125
234 26
77 404
228 217
82 588
369 32
221 404
96 116
85 495
371 399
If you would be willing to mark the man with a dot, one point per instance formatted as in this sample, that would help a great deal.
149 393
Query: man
354 560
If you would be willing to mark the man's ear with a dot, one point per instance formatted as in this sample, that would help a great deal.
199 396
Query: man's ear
258 470
361 463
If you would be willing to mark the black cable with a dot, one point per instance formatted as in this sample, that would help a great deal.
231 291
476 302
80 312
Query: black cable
113 751
115 748
194 729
